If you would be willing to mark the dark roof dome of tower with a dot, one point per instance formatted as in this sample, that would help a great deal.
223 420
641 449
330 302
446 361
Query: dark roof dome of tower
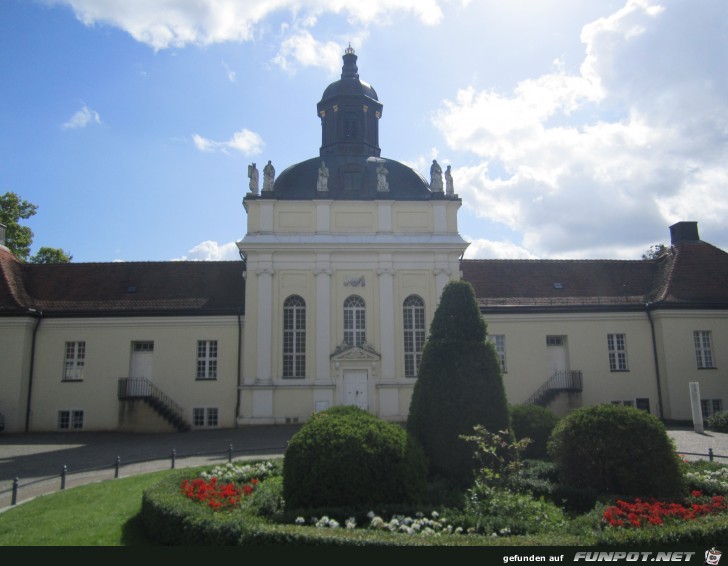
351 180
349 84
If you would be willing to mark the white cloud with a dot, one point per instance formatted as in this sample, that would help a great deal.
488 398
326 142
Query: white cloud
231 75
480 248
244 141
302 49
590 163
82 118
176 23
212 251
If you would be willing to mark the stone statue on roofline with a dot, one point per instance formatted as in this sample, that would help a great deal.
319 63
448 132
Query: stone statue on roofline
253 176
322 185
382 184
449 186
435 177
269 175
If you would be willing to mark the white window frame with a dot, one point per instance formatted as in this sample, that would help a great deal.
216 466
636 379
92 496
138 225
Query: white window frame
355 332
294 337
207 359
703 342
499 342
617 348
710 406
74 360
413 322
205 417
70 419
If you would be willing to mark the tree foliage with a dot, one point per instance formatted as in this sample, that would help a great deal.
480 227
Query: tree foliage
51 255
654 251
18 238
459 386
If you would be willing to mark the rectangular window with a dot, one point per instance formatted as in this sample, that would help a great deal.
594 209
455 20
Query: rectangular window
70 419
555 341
205 417
207 359
711 406
627 403
413 317
499 341
704 349
616 344
75 359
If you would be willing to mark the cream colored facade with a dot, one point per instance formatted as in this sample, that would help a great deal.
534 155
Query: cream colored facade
109 350
325 251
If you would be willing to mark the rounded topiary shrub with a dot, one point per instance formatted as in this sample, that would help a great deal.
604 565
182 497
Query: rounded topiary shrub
534 422
618 450
718 422
345 456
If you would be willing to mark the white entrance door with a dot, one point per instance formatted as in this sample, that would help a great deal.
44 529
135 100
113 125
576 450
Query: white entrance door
142 357
558 354
355 389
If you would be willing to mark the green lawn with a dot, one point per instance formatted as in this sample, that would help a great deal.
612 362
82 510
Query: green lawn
99 514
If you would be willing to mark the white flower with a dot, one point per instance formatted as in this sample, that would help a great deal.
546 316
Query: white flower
351 523
300 521
377 523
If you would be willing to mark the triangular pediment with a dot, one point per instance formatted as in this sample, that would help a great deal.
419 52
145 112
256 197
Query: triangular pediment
347 352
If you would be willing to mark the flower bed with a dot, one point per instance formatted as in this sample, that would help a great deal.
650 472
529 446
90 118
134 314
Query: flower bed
638 513
214 507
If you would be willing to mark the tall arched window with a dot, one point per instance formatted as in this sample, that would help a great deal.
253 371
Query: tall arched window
355 321
294 337
413 316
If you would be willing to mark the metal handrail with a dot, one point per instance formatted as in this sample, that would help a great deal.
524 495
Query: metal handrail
561 380
142 388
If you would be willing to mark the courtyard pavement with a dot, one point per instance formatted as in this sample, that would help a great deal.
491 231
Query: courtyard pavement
37 459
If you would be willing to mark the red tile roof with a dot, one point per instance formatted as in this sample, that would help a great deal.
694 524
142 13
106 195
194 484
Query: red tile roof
691 274
174 287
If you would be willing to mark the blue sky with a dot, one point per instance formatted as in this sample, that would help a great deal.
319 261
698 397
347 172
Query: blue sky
575 128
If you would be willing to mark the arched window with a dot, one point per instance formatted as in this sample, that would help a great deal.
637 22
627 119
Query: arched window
413 315
294 337
355 321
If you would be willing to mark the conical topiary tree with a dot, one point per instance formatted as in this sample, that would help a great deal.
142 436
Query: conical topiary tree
459 385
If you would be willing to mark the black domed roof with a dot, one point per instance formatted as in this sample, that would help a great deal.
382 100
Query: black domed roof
349 87
349 84
351 179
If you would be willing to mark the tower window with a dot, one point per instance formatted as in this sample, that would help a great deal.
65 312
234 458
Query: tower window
351 126
294 337
355 321
414 334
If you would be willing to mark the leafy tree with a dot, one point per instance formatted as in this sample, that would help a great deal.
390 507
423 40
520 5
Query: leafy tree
458 387
17 238
51 255
654 251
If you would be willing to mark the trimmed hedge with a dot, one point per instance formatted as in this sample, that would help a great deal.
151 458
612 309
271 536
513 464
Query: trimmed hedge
168 518
345 456
459 386
534 422
615 449
718 422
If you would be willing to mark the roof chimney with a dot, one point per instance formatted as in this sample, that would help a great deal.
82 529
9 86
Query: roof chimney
684 232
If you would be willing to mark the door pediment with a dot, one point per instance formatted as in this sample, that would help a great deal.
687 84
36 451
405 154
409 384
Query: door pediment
365 353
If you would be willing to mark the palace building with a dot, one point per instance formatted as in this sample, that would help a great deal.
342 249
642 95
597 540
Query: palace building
345 257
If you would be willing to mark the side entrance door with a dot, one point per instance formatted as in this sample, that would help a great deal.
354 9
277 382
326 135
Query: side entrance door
142 357
355 389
